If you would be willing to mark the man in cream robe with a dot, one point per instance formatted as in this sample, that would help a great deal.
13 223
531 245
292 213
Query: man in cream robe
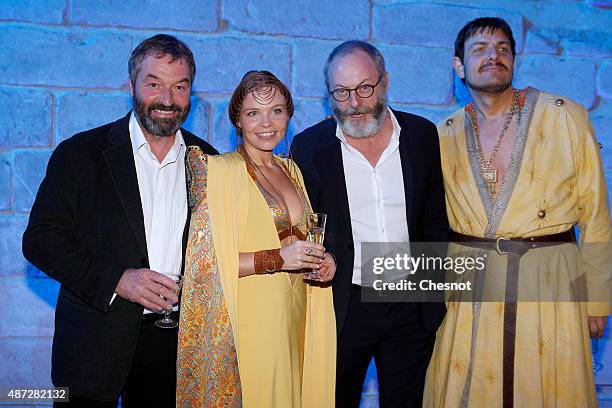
522 338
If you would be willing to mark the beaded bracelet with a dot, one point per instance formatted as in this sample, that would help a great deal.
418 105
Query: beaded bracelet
268 261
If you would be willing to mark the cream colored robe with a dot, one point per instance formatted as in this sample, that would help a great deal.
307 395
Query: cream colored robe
554 181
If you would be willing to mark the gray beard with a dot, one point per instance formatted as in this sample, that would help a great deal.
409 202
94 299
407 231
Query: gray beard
364 130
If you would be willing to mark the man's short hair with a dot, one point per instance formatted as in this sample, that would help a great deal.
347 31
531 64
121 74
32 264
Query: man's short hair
349 47
158 46
479 26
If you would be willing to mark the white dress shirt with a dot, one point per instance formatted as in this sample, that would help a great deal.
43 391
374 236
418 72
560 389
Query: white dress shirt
377 203
163 196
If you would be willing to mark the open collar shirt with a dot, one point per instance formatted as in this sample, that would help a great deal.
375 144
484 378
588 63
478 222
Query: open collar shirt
377 202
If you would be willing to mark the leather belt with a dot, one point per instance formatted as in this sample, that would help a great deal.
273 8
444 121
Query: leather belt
514 248
506 245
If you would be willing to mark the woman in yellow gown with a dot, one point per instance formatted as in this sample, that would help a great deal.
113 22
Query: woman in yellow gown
253 333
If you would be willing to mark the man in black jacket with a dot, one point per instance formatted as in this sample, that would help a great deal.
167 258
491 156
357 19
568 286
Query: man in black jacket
376 173
109 223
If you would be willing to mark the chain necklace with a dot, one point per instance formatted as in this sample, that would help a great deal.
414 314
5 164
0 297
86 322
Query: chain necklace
276 196
489 173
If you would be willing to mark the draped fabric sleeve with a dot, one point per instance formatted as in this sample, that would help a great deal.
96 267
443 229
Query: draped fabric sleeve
593 210
319 372
207 357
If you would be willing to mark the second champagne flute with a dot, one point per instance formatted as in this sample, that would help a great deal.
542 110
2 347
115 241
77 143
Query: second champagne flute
167 322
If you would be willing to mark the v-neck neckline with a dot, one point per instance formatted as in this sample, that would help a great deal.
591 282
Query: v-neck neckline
495 208
279 204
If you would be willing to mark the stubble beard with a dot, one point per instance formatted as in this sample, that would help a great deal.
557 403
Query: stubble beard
490 88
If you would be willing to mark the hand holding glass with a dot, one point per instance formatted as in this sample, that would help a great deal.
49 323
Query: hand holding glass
316 233
167 322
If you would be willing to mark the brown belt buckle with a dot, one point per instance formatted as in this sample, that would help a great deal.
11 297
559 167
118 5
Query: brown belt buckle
499 251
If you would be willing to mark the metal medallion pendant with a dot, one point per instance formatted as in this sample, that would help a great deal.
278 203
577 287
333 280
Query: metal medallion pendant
490 177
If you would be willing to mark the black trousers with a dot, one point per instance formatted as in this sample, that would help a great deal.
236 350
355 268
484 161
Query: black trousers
152 378
392 333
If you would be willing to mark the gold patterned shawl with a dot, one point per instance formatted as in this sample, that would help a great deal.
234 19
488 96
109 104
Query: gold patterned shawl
207 361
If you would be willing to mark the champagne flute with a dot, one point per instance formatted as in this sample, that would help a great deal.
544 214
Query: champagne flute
316 233
167 322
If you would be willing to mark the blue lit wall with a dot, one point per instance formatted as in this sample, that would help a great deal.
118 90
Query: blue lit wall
63 69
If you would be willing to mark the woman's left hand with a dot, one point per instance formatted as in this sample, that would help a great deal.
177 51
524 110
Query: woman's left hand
327 270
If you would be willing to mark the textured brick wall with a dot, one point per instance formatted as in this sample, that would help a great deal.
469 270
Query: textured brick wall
63 70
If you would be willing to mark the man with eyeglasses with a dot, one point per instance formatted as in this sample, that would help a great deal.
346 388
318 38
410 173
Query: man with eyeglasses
376 173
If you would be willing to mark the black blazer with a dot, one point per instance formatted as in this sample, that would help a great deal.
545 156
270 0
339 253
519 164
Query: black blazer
86 228
317 152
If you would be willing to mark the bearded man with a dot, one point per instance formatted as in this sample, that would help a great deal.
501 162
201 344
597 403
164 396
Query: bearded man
110 224
376 173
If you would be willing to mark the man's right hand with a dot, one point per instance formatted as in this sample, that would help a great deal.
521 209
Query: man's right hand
147 288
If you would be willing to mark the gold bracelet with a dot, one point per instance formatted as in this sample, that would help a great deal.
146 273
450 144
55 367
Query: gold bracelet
268 261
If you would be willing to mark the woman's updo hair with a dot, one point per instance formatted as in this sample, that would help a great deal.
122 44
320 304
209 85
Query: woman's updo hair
264 86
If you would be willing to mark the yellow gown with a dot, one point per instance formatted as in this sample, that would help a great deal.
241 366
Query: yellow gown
256 341
554 181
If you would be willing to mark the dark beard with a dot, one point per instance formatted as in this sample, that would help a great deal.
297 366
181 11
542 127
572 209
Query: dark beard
491 89
159 127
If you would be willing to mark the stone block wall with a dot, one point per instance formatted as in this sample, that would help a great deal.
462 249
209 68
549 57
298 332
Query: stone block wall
63 69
